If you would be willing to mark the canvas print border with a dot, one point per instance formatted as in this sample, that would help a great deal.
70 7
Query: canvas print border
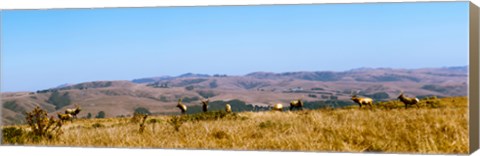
474 65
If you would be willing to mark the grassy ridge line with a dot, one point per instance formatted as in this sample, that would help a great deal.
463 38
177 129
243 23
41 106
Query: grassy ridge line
424 130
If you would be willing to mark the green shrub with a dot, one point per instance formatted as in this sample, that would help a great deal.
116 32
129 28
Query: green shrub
41 125
100 114
13 135
142 110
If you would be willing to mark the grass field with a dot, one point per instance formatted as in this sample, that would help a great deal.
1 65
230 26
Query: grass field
443 129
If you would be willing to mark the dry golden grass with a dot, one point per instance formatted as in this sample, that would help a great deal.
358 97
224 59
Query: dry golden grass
413 130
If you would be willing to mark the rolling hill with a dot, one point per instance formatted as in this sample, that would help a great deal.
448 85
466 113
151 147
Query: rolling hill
254 90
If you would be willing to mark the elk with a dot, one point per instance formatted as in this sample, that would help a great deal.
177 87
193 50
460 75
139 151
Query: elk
182 106
73 111
228 108
65 117
362 101
277 107
205 105
408 101
296 104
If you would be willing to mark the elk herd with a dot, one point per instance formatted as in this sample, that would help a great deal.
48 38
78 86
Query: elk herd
298 104
70 114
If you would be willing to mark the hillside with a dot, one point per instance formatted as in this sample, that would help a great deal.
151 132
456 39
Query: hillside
259 89
431 129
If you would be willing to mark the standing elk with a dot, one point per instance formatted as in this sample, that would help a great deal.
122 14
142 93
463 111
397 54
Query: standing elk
228 108
362 101
277 107
182 106
205 105
73 111
296 104
65 117
408 101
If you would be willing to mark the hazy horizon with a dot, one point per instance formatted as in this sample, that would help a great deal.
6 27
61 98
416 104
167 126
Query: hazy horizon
60 84
42 49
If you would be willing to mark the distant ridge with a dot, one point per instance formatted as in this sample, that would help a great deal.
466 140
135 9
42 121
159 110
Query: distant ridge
160 94
153 79
312 75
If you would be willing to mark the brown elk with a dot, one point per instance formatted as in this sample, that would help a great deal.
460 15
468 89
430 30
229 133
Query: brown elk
73 111
408 101
228 108
296 104
181 106
277 107
65 117
205 105
362 101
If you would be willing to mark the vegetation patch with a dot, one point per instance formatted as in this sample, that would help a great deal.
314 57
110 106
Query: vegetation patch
220 135
211 115
253 84
100 114
191 81
142 110
190 99
42 126
176 122
13 135
12 105
274 125
323 76
213 84
206 93
97 125
189 87
59 100
434 88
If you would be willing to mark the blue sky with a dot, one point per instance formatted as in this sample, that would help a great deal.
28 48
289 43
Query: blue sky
45 48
